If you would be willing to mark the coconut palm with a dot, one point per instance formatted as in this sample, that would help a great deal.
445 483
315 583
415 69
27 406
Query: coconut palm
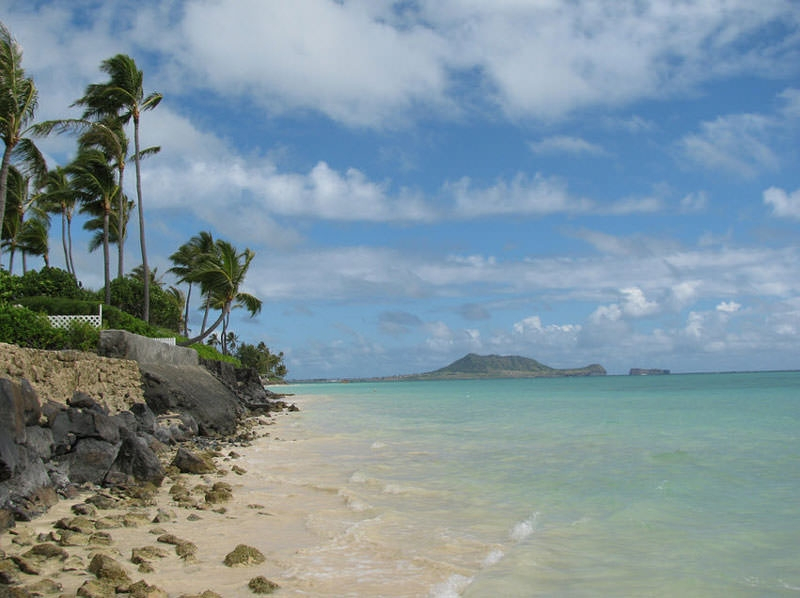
59 197
221 275
123 96
185 261
96 185
33 239
95 224
107 135
28 235
18 102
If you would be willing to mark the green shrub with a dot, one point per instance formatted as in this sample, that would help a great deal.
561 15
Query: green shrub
9 286
128 294
49 281
26 328
59 306
207 352
81 336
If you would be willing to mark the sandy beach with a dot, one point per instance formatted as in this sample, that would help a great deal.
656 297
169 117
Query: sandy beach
181 545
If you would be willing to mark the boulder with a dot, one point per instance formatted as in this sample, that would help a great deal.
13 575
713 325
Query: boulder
91 460
194 391
244 556
189 462
136 459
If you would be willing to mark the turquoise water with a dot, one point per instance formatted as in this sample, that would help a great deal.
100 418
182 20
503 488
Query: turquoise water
680 485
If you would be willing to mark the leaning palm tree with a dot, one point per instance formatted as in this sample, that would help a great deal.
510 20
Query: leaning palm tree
221 275
97 189
185 261
123 96
18 102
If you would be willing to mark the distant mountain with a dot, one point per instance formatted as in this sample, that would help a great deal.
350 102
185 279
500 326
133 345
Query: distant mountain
499 366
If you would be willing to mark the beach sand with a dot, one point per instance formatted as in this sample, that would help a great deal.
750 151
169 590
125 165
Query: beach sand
263 513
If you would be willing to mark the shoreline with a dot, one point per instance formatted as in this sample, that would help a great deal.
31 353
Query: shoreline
247 509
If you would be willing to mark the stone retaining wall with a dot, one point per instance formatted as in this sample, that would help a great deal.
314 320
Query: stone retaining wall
56 375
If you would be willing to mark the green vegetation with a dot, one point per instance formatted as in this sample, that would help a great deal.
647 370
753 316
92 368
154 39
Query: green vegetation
27 328
267 364
93 185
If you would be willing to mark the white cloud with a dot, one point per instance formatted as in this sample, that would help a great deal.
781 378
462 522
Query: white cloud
522 195
385 64
738 144
729 307
635 304
566 145
784 205
339 58
696 201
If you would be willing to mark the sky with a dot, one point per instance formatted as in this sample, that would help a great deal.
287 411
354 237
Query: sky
575 181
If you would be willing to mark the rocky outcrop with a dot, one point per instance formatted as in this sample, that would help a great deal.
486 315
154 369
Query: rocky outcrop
47 449
69 418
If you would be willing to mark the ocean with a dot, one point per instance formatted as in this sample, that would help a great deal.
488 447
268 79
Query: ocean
677 485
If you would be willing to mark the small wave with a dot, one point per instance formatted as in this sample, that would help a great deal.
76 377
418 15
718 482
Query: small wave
358 477
451 587
378 445
523 529
495 556
354 503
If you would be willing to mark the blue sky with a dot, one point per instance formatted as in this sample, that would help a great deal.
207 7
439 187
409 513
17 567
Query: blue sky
573 181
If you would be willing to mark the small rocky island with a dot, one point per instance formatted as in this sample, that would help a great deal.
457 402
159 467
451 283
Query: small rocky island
647 372
473 366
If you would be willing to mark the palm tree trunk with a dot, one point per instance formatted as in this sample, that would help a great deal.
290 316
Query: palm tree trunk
225 334
106 257
225 310
69 243
64 240
121 228
142 243
186 314
4 187
205 314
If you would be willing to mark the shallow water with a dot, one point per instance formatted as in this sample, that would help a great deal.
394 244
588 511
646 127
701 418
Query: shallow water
660 486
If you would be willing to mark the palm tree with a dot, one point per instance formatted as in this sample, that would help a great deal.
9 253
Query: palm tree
18 102
185 261
123 96
34 239
108 135
59 197
97 188
96 224
221 274
29 236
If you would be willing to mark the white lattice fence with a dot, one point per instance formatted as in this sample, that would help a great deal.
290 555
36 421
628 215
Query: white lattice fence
169 340
64 321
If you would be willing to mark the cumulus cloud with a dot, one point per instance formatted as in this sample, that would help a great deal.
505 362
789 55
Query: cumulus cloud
385 64
784 205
